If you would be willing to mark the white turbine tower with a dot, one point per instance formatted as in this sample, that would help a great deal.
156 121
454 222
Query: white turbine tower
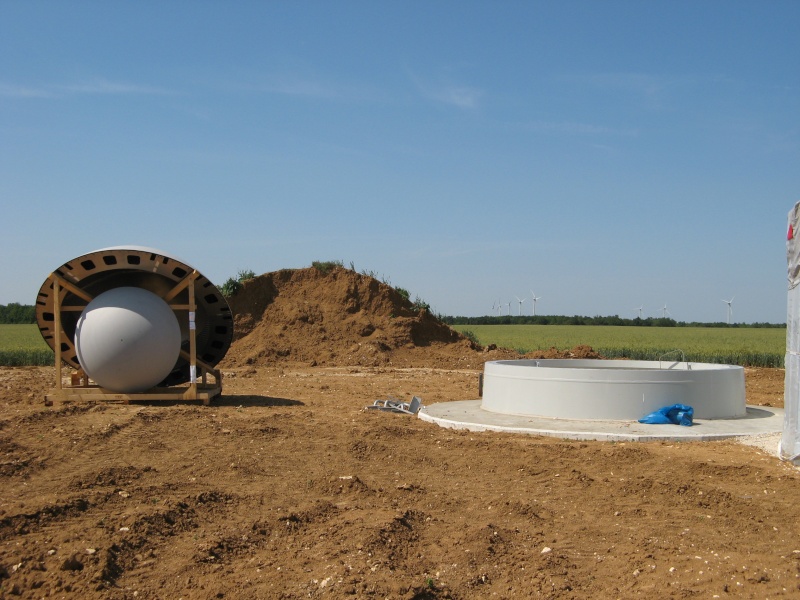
640 310
499 307
508 304
534 298
520 300
730 308
664 311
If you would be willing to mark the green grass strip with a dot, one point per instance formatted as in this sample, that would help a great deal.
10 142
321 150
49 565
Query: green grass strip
27 358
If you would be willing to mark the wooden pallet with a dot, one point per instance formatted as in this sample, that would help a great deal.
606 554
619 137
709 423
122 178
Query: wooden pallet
93 393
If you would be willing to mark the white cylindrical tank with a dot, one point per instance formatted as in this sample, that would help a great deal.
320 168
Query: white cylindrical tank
611 389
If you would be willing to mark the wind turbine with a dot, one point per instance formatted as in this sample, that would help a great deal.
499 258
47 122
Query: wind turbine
520 300
730 308
640 310
508 304
664 310
535 298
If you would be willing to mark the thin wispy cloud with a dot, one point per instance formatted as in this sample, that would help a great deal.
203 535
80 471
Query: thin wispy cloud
574 128
652 89
634 82
305 88
94 87
12 90
311 88
103 86
460 96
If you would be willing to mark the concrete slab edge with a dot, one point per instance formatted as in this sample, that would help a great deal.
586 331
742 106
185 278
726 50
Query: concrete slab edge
672 433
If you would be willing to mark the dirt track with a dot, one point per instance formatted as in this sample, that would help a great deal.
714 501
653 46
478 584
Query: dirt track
287 488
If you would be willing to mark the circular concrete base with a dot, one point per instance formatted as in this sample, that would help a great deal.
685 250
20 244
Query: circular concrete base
467 414
623 390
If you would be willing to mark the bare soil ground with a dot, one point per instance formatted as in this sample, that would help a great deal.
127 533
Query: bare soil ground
287 488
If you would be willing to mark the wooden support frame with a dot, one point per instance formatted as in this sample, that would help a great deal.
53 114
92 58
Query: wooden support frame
81 389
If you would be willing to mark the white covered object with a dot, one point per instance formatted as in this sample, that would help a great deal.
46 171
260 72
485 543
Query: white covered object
127 339
790 441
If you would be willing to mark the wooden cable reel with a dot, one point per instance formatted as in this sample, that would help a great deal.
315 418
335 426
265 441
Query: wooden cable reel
133 321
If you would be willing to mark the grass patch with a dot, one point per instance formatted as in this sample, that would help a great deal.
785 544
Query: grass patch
326 266
723 345
27 358
233 285
23 345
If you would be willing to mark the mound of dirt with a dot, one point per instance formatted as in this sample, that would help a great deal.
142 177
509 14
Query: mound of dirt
344 318
581 351
338 318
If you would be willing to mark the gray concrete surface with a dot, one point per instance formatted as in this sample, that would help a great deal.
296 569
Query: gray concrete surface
467 414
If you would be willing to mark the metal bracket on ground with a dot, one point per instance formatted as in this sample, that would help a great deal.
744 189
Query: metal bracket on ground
395 405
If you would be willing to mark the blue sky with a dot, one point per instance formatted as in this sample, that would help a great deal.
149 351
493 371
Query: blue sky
607 155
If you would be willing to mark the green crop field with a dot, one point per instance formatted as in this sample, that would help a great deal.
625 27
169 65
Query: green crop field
22 345
740 346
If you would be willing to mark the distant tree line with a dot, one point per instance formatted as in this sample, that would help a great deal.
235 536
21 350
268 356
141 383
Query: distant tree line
581 320
25 313
16 313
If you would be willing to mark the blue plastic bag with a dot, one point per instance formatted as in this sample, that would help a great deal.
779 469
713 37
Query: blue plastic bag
677 414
